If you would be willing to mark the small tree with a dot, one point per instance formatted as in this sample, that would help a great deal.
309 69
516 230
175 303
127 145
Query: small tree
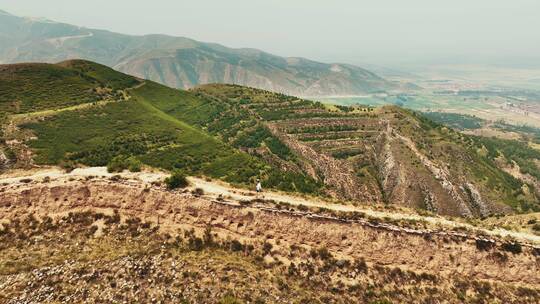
134 165
121 162
117 164
68 166
176 180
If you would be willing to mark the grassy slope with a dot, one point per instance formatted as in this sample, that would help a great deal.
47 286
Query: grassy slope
105 75
456 121
224 118
160 126
93 136
34 87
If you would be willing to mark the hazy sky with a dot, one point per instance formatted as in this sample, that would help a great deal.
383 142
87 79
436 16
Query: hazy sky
354 31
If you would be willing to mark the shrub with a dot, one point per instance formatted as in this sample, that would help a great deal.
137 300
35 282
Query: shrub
512 247
484 245
207 237
230 300
176 180
236 246
198 192
121 163
303 208
116 164
324 254
114 219
68 166
11 155
196 243
134 165
92 230
245 203
498 257
115 178
361 265
267 247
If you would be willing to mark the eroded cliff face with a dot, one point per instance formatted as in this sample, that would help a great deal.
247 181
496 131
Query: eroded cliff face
337 174
389 155
446 254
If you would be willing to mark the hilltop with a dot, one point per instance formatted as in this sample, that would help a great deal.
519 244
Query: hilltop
180 62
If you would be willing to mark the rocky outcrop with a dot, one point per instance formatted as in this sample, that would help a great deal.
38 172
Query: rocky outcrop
441 175
476 199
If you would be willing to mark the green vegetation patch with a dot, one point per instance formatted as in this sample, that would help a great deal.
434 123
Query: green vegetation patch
476 158
97 135
106 76
181 105
456 121
532 132
34 87
176 180
162 127
512 150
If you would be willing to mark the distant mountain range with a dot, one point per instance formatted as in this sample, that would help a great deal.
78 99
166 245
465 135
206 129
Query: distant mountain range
180 62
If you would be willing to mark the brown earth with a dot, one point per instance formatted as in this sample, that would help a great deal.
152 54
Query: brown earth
444 253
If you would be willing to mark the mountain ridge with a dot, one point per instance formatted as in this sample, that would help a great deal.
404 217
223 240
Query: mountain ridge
181 62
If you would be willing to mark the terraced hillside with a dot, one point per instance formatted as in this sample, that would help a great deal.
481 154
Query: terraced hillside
80 113
365 154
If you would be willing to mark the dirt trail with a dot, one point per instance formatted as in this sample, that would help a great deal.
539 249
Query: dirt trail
59 41
19 118
215 189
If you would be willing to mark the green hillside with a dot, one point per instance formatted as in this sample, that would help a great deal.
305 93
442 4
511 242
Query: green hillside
383 154
81 113
35 87
153 124
104 75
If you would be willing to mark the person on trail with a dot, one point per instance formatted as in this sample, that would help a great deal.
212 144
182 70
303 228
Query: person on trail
258 188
